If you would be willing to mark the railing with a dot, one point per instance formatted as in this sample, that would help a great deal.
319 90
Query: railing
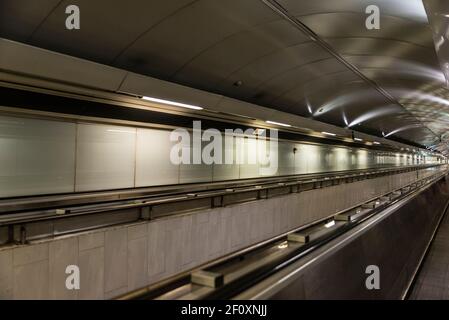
151 203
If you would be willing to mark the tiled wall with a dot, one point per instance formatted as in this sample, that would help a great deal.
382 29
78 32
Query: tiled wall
120 259
43 157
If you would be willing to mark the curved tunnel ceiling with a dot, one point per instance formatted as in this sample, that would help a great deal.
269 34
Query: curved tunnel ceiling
385 81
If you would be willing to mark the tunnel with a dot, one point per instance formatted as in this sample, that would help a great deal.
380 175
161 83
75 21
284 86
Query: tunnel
251 150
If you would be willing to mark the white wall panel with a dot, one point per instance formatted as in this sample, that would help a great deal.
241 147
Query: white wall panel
286 158
301 159
342 158
195 173
105 157
248 169
272 156
191 173
362 159
353 157
228 171
314 158
153 165
36 156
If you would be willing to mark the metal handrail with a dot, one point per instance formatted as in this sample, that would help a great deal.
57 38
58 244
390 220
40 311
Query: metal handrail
257 185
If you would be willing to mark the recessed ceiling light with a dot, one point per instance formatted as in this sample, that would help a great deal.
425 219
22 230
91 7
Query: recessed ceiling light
358 139
278 123
375 142
328 133
173 103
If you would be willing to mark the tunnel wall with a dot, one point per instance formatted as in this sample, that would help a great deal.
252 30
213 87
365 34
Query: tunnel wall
41 156
117 260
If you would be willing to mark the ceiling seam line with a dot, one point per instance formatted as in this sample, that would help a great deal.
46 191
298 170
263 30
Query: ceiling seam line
149 29
220 41
356 12
295 68
260 58
30 37
381 38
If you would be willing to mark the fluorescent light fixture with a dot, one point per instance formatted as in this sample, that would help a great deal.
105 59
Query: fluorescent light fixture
120 131
328 133
358 139
330 224
375 142
278 123
173 103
